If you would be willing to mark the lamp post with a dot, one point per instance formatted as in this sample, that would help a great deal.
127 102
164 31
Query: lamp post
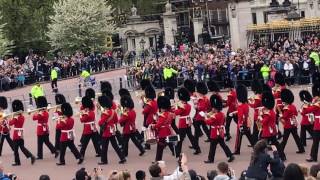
142 43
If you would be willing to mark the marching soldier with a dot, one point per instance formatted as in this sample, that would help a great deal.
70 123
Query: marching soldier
307 118
90 132
169 92
243 126
214 88
60 99
231 103
128 122
107 124
17 122
267 122
91 94
182 110
215 119
4 126
66 124
202 106
288 118
279 86
42 117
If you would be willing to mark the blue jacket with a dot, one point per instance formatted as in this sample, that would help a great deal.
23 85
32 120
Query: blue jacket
3 177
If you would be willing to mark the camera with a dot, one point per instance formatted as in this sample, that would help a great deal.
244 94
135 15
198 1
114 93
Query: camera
174 138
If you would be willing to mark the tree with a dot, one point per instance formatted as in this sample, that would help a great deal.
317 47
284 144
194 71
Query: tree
5 44
80 25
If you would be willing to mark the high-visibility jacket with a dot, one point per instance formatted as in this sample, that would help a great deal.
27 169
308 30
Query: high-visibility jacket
168 73
315 57
265 70
37 91
85 74
54 74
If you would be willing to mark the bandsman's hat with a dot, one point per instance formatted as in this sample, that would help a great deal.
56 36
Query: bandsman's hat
17 105
41 102
279 79
105 85
202 88
242 93
164 102
305 96
3 102
105 102
66 109
316 90
190 85
144 83
90 93
127 102
150 93
287 96
169 92
256 86
124 92
87 102
216 102
60 99
183 94
268 100
213 86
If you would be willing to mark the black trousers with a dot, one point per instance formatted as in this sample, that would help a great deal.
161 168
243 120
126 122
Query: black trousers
273 141
94 137
160 147
9 140
315 145
240 133
183 132
286 134
72 147
255 133
229 118
20 144
57 139
54 84
198 132
105 145
44 139
125 145
303 133
213 146
174 126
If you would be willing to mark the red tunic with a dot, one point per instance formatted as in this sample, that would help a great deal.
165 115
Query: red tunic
17 123
268 123
243 114
216 122
289 115
4 127
128 121
58 113
232 101
305 119
203 105
42 127
149 110
277 97
110 118
163 125
256 104
88 121
184 114
66 127
315 109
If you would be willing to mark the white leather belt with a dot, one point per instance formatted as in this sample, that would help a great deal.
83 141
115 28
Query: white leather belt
18 129
184 117
67 131
89 123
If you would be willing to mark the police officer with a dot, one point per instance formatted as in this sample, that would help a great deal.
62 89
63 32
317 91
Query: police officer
54 79
4 126
37 91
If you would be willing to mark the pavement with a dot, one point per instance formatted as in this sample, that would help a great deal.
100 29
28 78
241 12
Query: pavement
134 162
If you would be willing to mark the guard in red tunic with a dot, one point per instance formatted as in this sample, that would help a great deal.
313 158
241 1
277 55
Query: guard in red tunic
315 109
202 106
307 118
90 131
163 125
60 99
150 108
90 93
267 121
216 119
66 124
255 103
43 128
169 92
232 104
182 111
4 126
107 123
280 84
243 126
289 120
17 122
128 122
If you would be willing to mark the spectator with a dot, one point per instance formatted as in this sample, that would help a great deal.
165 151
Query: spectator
224 172
212 174
2 175
140 175
304 169
119 175
293 172
314 170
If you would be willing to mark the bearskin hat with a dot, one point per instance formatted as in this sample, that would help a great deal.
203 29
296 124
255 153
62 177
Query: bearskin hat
279 79
305 96
3 102
169 92
213 86
108 93
150 93
316 78
287 96
17 105
202 88
60 99
144 83
216 102
126 101
316 90
124 92
87 102
105 102
105 85
242 93
183 94
66 109
190 85
256 86
90 93
268 100
41 102
163 102
229 83
266 88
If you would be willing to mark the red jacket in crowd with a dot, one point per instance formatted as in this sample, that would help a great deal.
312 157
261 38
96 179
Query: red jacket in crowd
305 119
315 109
243 114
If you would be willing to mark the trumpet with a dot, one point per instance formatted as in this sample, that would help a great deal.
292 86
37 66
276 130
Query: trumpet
12 114
54 107
29 111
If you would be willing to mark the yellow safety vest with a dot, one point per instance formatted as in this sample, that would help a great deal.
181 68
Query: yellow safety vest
54 74
37 91
85 74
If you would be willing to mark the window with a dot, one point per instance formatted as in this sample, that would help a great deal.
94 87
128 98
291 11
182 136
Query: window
265 18
134 43
254 18
151 41
302 14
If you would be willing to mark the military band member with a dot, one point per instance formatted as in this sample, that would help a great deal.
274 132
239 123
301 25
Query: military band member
107 123
288 117
17 122
280 84
232 104
60 99
216 121
214 88
42 117
182 111
91 94
169 92
307 118
90 131
243 126
128 122
4 126
66 124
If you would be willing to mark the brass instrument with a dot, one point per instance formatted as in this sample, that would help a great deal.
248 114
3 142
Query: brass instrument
29 111
54 107
142 96
77 100
5 116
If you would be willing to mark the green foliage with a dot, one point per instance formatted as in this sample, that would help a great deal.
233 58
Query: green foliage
5 44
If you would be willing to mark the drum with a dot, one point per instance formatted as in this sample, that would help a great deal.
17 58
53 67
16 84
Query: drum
150 136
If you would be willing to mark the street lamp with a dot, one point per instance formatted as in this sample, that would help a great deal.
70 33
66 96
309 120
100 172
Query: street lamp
142 43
